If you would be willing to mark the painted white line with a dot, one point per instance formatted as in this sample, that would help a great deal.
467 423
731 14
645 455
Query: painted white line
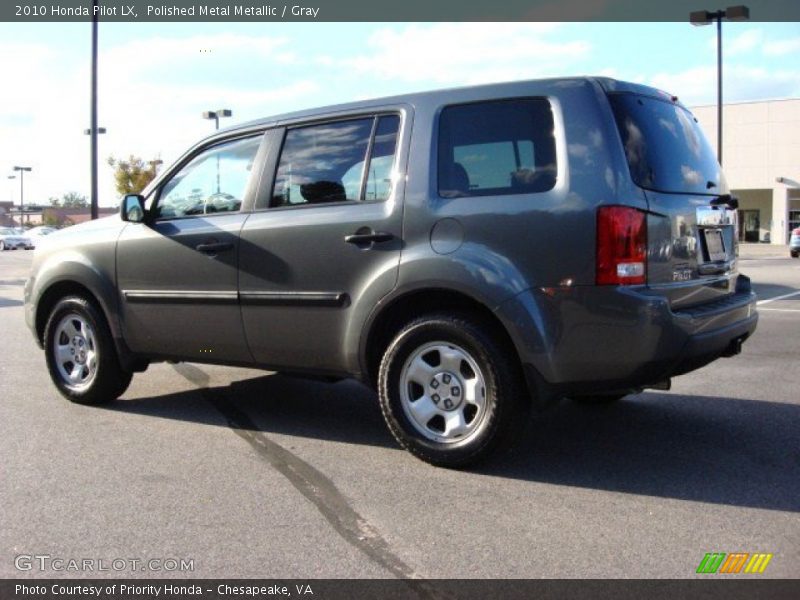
797 310
768 300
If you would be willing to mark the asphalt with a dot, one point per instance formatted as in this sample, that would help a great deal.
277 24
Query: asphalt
251 474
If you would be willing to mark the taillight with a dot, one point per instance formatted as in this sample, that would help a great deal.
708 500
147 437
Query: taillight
621 245
796 231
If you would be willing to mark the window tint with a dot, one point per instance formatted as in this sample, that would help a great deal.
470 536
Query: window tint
322 163
213 182
664 145
494 148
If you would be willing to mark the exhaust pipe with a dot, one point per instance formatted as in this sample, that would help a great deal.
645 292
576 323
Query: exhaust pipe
734 348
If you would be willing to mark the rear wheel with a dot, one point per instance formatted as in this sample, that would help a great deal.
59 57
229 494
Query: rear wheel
80 353
795 254
451 391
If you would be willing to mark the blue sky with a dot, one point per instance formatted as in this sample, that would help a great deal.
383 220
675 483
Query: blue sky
156 79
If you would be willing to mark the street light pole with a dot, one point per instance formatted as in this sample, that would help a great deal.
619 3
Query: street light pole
93 126
704 17
216 115
21 191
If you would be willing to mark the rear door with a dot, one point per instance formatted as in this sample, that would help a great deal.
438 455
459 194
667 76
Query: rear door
326 242
692 239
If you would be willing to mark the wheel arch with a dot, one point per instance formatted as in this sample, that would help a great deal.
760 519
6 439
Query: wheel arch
389 317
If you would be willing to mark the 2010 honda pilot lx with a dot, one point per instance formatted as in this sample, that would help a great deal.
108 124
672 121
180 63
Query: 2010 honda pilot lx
468 252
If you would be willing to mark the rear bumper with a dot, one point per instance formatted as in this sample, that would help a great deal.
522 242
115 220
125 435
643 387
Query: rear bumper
598 339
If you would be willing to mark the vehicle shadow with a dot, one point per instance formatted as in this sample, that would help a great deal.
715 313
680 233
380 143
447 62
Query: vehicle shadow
706 449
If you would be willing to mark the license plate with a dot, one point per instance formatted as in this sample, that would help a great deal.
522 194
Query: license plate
715 245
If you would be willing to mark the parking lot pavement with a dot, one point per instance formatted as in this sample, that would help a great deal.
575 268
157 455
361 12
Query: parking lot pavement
260 475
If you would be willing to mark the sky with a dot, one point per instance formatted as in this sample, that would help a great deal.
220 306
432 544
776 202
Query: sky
155 79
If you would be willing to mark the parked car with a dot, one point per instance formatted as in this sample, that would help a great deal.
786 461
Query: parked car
519 243
11 239
794 243
36 234
41 231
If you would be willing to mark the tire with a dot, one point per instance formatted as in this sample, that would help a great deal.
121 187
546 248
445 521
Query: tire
483 395
795 254
79 329
598 399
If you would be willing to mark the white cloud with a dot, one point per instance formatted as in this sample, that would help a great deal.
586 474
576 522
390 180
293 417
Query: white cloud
145 113
465 53
782 47
698 85
145 54
743 43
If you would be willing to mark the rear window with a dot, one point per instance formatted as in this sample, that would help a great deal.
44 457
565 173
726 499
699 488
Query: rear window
665 147
496 148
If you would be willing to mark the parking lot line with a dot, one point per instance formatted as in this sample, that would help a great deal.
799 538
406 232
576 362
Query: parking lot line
783 297
779 309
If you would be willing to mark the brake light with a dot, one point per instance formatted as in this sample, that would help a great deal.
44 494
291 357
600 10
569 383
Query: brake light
796 231
621 245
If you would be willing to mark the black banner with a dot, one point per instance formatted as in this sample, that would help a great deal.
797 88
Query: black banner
378 10
395 589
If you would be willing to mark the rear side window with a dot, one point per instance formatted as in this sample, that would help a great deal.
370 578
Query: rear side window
496 148
664 145
337 162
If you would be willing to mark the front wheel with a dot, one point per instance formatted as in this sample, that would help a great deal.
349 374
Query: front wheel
451 391
795 254
80 353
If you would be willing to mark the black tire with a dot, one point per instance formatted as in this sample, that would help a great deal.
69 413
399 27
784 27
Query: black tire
506 404
598 399
110 380
795 254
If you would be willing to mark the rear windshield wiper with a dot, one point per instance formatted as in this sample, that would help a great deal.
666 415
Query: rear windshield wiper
727 199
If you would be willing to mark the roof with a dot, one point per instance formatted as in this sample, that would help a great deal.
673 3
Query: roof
510 88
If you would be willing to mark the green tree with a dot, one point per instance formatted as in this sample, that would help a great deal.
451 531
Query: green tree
70 200
131 175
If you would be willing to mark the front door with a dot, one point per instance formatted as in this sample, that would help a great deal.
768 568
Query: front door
749 225
327 243
178 271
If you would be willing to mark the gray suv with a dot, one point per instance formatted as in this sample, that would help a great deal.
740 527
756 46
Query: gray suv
470 253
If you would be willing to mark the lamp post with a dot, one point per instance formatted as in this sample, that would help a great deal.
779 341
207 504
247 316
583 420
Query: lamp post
704 17
218 114
154 164
21 191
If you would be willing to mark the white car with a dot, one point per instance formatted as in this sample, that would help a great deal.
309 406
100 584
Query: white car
11 240
37 233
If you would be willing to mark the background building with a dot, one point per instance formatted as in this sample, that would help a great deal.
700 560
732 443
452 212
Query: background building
761 159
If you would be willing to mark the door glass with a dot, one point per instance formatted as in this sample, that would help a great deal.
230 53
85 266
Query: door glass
317 163
213 182
381 163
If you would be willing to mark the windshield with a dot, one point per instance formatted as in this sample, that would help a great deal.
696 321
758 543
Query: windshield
665 147
7 232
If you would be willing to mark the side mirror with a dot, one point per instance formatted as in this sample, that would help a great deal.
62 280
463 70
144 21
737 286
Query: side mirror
132 208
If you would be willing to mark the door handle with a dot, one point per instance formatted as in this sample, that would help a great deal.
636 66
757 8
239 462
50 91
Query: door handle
360 239
214 247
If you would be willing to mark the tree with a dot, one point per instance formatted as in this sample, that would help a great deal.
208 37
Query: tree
132 175
70 200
